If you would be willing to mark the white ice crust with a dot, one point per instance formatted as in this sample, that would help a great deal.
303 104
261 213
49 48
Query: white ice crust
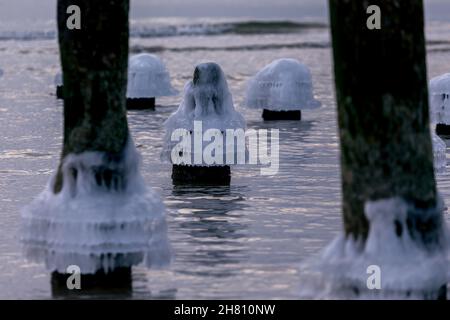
148 77
439 153
408 270
440 99
93 227
208 100
284 84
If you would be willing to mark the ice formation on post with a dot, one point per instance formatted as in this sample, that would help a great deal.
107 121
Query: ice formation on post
410 261
439 153
440 103
148 78
207 100
104 217
59 85
283 85
207 104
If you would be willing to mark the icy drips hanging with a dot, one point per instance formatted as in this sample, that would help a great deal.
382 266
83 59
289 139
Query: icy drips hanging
284 84
207 101
440 99
439 153
103 218
411 263
148 77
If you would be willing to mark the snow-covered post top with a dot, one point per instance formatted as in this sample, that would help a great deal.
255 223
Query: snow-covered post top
395 241
148 77
440 99
208 100
284 84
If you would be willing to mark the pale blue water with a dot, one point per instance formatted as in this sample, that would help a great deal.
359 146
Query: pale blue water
241 242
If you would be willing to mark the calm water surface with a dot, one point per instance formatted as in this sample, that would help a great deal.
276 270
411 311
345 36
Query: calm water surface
245 241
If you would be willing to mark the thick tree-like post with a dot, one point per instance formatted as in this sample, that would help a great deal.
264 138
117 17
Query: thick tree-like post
94 62
96 215
392 214
381 87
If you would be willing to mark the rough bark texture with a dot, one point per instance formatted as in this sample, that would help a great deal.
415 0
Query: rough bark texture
94 62
381 87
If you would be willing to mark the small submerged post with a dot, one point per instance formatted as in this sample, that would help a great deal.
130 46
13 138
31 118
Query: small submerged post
393 217
440 104
59 86
148 79
96 213
282 89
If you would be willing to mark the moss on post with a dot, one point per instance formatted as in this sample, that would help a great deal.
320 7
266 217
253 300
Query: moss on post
94 63
381 87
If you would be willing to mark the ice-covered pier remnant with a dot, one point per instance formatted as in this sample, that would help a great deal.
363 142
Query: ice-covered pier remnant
440 103
207 104
394 243
103 219
398 260
439 153
96 215
282 89
59 86
148 79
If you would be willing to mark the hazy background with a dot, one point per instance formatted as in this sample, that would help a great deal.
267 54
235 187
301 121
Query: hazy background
13 10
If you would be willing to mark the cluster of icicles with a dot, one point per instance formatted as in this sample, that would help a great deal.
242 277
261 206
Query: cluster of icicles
95 222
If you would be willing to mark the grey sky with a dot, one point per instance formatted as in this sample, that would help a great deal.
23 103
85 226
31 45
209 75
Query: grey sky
16 10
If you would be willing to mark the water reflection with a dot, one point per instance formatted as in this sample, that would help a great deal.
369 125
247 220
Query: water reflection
212 219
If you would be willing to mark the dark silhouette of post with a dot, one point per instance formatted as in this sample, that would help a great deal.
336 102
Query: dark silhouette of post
386 148
381 87
94 62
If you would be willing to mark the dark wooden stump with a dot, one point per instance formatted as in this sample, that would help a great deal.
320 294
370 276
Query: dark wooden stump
443 129
60 92
198 175
141 103
115 282
270 115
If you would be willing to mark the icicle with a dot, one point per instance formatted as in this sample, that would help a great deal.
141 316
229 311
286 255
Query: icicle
103 218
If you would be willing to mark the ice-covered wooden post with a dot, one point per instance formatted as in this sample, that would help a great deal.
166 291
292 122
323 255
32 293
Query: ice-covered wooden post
388 183
96 214
94 61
